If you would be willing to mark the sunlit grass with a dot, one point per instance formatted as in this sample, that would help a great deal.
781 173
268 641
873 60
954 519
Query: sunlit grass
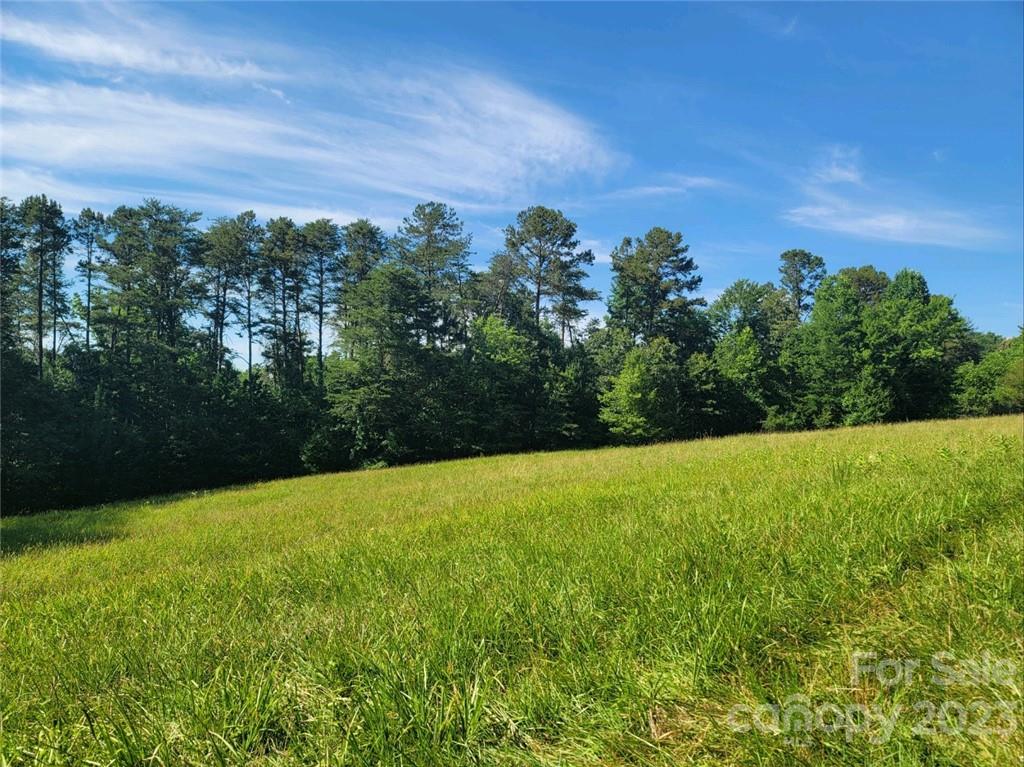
599 607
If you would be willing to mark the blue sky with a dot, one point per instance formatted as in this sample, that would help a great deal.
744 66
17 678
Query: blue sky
884 134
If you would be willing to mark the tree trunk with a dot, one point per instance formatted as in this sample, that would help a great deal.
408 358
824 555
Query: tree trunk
248 328
320 336
536 303
222 320
299 362
283 348
39 317
88 294
54 285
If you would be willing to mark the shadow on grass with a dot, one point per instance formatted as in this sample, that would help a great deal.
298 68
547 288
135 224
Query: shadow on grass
62 528
92 524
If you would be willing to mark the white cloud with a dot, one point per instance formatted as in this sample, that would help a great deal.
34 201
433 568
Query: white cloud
789 28
602 250
469 133
364 138
18 183
74 126
131 44
769 23
923 225
840 166
267 209
881 209
710 295
675 184
275 92
467 138
742 248
360 134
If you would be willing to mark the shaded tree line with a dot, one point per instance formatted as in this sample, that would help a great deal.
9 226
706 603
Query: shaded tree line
185 358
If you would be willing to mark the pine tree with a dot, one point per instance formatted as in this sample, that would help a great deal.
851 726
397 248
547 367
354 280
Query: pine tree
801 272
570 292
543 245
46 240
12 255
221 268
654 277
249 243
282 283
88 229
433 245
321 240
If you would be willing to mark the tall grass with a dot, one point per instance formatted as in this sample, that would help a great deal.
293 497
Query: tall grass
600 607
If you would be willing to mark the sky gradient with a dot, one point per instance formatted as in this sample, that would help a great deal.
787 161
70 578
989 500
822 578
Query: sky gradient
882 134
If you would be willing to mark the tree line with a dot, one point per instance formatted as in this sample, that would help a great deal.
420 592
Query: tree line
361 348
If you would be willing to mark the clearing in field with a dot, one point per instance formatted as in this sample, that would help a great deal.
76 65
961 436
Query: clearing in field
620 606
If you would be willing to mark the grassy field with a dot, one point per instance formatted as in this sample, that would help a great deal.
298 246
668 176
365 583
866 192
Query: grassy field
609 607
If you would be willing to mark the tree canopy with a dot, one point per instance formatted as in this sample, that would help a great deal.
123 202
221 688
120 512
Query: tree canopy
185 357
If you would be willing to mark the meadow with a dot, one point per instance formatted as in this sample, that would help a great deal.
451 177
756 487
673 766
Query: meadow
626 606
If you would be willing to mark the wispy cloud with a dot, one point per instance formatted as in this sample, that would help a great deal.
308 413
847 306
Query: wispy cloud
238 200
710 295
20 182
275 92
840 165
351 137
473 136
673 184
130 45
892 222
738 248
774 25
839 197
602 250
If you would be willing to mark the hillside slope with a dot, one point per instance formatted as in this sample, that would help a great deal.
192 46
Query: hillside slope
618 606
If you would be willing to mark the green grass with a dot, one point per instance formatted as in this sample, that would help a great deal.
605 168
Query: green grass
603 607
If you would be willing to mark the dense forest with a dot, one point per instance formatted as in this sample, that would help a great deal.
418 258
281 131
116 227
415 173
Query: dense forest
362 348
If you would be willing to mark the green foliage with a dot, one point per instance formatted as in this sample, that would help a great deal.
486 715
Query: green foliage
759 306
740 360
654 276
642 404
504 381
11 255
984 343
572 389
321 242
45 237
380 397
863 358
432 244
801 273
543 258
500 291
869 399
379 350
995 384
870 283
914 342
825 353
608 347
88 230
282 281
